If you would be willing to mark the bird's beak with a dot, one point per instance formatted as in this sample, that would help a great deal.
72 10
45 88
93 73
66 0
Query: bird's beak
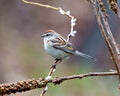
43 35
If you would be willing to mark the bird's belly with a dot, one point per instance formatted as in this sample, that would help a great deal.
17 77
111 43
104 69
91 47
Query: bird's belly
56 53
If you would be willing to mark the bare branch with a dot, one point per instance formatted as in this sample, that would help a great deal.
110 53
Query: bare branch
53 67
80 76
107 35
39 4
105 20
59 9
27 85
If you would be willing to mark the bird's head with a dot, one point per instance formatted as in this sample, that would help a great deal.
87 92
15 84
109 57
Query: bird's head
50 34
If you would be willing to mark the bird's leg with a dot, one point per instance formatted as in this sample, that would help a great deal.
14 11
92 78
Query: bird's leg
53 67
56 62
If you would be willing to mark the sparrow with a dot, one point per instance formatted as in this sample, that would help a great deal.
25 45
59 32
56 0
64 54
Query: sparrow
59 48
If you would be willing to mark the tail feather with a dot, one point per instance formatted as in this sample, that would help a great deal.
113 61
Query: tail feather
85 55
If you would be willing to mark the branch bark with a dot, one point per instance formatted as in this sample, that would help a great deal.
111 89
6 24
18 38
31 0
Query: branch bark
114 7
27 85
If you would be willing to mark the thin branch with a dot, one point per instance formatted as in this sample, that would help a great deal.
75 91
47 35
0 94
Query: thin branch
52 69
115 55
67 13
100 15
27 85
81 76
39 4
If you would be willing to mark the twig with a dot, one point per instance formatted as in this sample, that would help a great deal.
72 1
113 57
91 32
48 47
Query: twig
39 4
114 7
100 16
80 76
27 85
52 69
110 39
67 13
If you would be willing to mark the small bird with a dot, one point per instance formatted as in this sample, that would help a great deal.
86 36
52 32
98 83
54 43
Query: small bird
60 48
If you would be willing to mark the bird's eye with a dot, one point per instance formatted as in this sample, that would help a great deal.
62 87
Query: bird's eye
48 34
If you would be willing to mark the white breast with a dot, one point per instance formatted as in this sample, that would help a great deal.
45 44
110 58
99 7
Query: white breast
56 53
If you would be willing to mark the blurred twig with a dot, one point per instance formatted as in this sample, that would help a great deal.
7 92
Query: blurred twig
114 7
27 85
106 32
105 20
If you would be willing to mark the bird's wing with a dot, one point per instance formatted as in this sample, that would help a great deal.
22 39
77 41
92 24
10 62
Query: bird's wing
61 44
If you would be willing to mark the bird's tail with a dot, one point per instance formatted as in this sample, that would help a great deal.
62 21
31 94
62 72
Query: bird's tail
85 55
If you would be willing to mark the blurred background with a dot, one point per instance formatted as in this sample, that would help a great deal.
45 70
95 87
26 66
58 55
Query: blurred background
22 55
